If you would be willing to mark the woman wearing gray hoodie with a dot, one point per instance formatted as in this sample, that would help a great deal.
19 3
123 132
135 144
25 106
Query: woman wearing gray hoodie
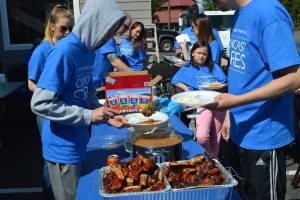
65 94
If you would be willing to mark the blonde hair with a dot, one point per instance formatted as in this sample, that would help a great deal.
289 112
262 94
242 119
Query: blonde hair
57 12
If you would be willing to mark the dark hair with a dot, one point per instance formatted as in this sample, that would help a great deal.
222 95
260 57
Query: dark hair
194 10
204 26
141 41
201 43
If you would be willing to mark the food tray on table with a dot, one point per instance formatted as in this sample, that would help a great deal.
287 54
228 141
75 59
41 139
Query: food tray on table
229 181
131 195
218 192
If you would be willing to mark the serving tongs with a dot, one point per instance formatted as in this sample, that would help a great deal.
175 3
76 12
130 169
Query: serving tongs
193 115
152 131
148 110
190 108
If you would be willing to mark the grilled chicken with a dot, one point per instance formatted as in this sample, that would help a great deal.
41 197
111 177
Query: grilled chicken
196 171
138 174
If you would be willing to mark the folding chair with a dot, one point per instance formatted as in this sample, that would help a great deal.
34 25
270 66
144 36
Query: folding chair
166 71
225 64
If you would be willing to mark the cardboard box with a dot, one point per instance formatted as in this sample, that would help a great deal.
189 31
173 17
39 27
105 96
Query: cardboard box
153 81
128 91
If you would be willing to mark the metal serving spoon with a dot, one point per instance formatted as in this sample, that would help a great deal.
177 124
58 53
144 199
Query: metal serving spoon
152 131
148 110
190 116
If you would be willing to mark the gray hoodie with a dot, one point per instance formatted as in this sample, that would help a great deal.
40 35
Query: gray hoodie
99 20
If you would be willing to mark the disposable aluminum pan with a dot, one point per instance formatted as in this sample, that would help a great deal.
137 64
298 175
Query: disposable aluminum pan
216 192
229 181
130 195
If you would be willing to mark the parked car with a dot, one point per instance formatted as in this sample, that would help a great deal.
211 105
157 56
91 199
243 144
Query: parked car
165 39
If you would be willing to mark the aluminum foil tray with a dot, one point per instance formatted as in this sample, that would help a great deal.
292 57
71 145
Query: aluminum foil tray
218 192
229 181
130 195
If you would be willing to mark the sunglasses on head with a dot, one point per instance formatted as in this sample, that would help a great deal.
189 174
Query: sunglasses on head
193 27
126 27
64 29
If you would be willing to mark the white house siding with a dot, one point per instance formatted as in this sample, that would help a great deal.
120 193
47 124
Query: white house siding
139 10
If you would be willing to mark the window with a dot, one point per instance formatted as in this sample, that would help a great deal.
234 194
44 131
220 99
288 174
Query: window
221 22
24 20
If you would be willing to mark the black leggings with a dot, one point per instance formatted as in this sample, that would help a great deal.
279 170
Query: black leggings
262 172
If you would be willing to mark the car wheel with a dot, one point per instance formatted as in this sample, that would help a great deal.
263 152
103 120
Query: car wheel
166 45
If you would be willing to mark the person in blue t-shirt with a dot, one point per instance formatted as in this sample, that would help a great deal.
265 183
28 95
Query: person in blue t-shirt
194 75
58 26
133 48
263 73
65 95
194 11
36 42
108 57
201 25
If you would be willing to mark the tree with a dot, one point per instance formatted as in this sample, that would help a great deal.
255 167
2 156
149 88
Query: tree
210 5
293 7
155 6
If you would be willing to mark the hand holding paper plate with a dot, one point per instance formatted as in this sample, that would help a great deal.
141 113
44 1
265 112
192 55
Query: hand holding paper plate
180 38
199 98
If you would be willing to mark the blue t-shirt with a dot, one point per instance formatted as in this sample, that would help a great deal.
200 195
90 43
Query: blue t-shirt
68 73
216 45
191 35
102 65
194 38
37 60
197 77
133 58
215 51
261 43
27 57
217 37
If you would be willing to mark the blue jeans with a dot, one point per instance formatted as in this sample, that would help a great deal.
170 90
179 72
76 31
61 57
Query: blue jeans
47 188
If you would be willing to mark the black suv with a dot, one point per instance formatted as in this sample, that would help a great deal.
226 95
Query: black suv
165 39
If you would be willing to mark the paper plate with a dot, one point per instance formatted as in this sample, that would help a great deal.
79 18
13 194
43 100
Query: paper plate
195 98
102 101
135 118
172 59
214 87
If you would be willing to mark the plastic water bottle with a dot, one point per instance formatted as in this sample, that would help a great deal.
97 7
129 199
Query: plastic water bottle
192 126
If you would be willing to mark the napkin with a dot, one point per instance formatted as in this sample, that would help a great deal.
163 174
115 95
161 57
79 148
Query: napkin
182 37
